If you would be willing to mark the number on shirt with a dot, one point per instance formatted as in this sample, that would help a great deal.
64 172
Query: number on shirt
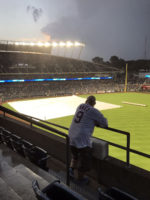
78 116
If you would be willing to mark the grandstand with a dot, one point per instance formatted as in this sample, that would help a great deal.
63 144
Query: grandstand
146 85
28 66
32 148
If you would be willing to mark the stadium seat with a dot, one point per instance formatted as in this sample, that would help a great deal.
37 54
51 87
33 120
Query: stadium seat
7 138
26 147
115 194
18 145
39 194
38 156
55 191
1 134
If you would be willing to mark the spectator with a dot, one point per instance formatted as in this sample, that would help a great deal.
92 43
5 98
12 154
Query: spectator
80 132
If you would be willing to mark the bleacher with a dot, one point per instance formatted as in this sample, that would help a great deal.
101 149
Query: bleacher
24 148
19 65
12 62
19 180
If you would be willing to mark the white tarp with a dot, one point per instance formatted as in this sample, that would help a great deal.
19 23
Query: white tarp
49 108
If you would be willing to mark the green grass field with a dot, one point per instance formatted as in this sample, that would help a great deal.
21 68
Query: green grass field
130 118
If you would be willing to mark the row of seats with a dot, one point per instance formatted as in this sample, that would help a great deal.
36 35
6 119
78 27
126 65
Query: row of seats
55 191
114 193
24 148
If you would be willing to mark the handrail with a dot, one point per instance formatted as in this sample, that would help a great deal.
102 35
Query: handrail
31 121
128 149
110 129
59 126
128 142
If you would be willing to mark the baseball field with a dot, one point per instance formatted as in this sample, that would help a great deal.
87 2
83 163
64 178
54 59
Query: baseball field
125 111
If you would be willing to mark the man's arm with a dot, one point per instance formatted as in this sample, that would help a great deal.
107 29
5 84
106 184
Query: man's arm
101 121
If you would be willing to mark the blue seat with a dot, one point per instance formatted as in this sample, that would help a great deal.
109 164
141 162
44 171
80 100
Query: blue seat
39 194
26 146
115 194
7 138
38 156
1 134
18 146
55 191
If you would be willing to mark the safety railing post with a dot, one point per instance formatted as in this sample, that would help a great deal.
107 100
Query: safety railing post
67 161
128 149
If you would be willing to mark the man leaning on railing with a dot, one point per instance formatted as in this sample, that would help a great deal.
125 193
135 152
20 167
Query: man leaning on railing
85 119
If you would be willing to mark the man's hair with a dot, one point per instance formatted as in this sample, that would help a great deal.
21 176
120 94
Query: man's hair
91 100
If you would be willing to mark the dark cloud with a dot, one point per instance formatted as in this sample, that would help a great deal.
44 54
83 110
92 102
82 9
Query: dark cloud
65 28
36 12
115 27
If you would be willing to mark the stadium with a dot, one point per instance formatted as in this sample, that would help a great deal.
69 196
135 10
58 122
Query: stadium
39 94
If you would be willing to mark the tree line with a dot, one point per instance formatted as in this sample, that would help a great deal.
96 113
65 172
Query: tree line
133 65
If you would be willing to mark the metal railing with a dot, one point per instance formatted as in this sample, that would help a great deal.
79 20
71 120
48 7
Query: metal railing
122 147
127 147
35 122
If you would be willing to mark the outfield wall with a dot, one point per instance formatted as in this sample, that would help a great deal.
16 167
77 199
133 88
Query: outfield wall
109 172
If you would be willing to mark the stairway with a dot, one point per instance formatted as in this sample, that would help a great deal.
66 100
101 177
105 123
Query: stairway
16 183
6 192
17 178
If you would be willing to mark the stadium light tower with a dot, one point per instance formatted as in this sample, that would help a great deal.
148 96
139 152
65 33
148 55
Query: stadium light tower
81 49
67 45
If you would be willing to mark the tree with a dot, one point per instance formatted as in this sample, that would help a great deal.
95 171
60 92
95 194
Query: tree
117 62
113 59
98 60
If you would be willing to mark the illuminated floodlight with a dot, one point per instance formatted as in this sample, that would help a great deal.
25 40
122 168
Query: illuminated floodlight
62 44
54 44
40 44
22 43
76 44
82 44
32 44
17 43
47 44
69 44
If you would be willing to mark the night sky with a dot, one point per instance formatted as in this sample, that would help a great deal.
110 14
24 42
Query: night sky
107 27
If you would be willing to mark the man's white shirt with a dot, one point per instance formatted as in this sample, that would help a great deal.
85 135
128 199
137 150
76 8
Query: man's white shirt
83 123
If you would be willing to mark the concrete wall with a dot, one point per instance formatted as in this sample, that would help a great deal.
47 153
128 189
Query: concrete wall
109 172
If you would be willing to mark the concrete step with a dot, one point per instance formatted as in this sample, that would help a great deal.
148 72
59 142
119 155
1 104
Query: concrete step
20 184
14 159
30 175
7 193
